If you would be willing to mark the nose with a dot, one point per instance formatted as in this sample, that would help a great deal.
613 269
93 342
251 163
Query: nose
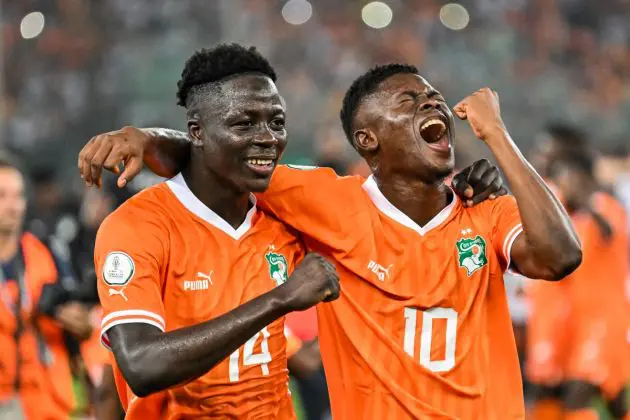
430 105
265 137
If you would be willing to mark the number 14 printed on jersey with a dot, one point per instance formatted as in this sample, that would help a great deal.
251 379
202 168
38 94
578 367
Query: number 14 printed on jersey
426 337
249 358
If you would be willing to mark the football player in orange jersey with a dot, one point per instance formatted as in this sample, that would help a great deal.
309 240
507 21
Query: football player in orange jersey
422 328
546 338
189 270
597 362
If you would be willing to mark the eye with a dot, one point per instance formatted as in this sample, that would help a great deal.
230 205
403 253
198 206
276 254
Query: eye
244 124
277 124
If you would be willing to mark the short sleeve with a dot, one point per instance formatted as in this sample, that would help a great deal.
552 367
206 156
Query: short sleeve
315 201
128 257
506 221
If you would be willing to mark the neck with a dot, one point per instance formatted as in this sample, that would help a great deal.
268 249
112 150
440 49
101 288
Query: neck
419 200
8 246
232 206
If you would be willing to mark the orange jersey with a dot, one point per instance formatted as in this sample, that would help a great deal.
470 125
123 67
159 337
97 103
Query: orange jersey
422 328
599 318
165 259
598 285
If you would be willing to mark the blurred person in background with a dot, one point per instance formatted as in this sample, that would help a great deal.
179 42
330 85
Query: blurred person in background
50 213
613 171
35 364
556 325
547 302
596 358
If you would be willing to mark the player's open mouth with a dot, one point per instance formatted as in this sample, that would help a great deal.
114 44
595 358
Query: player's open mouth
261 166
434 131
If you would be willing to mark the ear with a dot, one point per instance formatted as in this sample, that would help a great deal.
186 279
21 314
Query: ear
365 141
195 131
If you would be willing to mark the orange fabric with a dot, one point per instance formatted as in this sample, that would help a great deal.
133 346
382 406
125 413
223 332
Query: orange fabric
186 271
294 344
46 391
599 318
95 355
546 410
586 414
547 333
414 333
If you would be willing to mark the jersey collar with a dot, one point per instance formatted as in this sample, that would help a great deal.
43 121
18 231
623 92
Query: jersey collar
383 204
180 189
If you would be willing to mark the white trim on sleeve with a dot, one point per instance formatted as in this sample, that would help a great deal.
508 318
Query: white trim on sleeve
129 317
509 241
133 312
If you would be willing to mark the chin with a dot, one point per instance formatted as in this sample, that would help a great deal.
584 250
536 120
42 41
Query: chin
441 171
257 185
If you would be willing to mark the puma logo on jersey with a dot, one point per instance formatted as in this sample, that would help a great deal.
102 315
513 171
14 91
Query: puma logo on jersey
120 292
381 272
203 282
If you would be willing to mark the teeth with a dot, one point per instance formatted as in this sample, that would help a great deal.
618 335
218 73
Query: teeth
432 121
260 162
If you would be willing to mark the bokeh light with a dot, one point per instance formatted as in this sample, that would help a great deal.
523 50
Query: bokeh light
377 15
297 12
454 16
32 25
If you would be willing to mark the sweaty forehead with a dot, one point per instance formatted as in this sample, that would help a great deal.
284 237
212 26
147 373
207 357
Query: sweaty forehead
248 89
404 81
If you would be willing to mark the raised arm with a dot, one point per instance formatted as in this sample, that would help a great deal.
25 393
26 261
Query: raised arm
548 248
146 355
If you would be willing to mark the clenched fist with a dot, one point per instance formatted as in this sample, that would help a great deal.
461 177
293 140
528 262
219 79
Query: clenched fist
314 280
482 111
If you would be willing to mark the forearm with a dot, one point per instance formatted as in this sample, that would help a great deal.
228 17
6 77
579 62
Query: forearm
167 151
550 239
147 362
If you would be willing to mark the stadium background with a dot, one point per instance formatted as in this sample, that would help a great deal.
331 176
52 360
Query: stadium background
74 68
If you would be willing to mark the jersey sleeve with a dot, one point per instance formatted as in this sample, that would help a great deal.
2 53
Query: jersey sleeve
128 257
314 201
506 221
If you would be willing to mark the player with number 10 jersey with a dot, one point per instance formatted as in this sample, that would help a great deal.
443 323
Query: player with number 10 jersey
422 328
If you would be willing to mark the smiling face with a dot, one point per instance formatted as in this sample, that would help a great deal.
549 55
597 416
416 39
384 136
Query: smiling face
406 127
239 129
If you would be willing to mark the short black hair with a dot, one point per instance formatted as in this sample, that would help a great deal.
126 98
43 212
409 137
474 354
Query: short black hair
7 160
567 135
364 85
224 60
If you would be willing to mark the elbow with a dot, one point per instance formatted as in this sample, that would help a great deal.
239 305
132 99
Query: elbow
565 264
140 382
141 375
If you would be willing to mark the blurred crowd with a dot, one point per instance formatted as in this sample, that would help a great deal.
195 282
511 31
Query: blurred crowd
99 65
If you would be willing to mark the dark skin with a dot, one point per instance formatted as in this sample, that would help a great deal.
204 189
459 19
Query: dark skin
242 119
549 247
409 170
